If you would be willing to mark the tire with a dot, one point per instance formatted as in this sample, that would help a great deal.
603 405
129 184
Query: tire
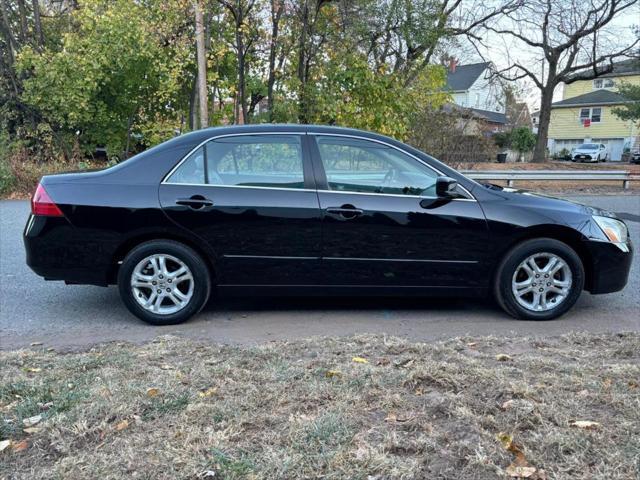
510 270
186 278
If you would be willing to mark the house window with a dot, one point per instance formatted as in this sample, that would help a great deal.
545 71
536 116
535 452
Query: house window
585 114
600 83
593 114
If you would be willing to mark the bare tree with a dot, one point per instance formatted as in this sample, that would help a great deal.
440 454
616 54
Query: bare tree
39 40
408 35
569 38
202 66
240 11
277 9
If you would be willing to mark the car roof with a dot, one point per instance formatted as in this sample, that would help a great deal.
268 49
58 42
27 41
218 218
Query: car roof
198 136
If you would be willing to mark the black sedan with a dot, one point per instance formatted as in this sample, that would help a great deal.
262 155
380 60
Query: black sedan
312 210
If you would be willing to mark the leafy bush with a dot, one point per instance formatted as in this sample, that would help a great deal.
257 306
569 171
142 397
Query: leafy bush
522 139
7 180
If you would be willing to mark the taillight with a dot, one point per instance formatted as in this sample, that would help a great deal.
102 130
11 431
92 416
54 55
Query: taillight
41 204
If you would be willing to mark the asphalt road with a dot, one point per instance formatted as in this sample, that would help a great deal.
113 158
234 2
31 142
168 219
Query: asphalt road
68 317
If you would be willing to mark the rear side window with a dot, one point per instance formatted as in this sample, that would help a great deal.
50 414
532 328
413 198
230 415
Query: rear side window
248 160
191 170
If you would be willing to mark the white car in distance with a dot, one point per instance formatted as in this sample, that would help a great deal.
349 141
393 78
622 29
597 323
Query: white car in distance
590 152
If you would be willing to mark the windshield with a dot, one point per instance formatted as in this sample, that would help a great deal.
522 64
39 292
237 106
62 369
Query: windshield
588 146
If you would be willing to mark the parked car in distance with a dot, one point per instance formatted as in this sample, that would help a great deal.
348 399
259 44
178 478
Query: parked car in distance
311 210
635 157
590 152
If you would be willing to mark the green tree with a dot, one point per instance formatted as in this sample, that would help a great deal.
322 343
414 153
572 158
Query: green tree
522 139
115 75
631 110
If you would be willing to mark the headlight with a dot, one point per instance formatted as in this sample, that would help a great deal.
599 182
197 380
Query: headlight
614 230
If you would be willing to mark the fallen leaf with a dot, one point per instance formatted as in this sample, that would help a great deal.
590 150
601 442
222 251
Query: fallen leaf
45 406
359 360
333 373
4 444
587 424
31 430
36 344
393 418
633 384
521 472
405 363
503 357
472 344
33 369
209 392
122 425
153 392
31 421
20 446
383 361
166 367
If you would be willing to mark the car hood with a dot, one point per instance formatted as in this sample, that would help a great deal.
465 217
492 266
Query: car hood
540 201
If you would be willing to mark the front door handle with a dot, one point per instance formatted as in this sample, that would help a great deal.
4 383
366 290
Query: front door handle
195 202
345 211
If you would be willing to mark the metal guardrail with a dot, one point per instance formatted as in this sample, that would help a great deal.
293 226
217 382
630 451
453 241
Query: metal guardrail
579 175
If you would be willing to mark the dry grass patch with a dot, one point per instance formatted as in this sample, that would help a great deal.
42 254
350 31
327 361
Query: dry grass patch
311 409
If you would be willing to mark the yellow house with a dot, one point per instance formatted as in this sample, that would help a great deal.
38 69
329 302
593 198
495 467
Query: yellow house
584 115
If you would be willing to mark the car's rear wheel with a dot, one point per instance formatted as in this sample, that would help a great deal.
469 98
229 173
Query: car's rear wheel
539 279
164 282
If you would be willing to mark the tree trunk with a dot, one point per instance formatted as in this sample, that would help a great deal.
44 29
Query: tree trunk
242 117
202 67
276 14
38 25
193 105
24 31
540 150
302 57
12 45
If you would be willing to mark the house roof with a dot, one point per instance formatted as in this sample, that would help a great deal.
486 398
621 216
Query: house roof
597 97
488 115
622 68
465 75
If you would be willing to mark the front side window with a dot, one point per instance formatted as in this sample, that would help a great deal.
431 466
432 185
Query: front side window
362 166
247 160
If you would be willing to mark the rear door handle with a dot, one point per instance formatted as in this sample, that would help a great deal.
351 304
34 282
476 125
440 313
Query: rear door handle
345 211
196 202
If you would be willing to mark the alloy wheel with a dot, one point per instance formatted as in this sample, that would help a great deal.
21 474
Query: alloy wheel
162 284
541 282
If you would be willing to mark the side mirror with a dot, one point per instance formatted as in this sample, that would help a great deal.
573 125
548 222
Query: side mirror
446 187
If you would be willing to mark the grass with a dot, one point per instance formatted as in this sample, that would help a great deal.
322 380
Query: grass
178 409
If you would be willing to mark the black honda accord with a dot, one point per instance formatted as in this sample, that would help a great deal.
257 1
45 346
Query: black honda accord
311 210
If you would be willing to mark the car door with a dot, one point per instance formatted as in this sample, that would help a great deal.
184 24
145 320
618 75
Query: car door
383 225
252 198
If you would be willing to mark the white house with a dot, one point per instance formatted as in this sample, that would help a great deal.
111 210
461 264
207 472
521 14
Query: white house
473 87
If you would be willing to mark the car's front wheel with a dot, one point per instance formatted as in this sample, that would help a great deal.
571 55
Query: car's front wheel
539 279
164 282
